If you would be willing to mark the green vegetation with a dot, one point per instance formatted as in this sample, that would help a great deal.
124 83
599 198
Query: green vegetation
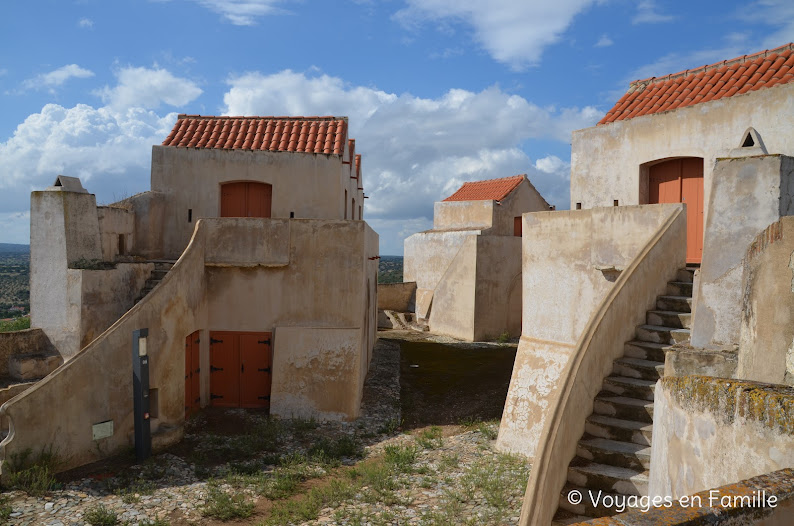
5 508
16 324
224 506
33 475
101 516
92 264
14 280
390 269
430 438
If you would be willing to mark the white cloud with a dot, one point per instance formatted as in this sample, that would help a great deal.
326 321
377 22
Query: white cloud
777 13
675 62
647 14
56 78
242 12
85 23
513 32
419 150
15 226
148 88
604 41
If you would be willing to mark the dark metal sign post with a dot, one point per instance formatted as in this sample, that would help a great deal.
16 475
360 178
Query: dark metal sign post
140 392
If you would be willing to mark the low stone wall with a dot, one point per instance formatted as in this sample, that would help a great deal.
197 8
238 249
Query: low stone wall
28 341
687 361
400 297
766 500
713 431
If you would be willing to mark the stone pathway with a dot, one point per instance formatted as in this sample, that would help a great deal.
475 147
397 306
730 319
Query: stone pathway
453 475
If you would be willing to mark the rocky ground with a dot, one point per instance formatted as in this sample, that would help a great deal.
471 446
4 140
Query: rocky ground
241 467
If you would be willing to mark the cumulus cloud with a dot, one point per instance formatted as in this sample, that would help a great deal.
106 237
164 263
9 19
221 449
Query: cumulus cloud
148 88
514 33
777 13
419 150
55 78
242 12
647 13
604 41
85 23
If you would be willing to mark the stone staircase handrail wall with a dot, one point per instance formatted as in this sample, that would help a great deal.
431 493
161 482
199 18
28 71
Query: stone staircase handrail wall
612 324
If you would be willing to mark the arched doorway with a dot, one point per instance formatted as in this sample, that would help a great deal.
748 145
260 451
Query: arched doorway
246 199
681 181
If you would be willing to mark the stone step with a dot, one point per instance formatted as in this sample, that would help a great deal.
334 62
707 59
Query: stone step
661 334
666 318
674 303
612 479
566 518
630 387
624 408
686 275
163 264
638 368
158 274
586 507
617 429
615 453
645 350
32 366
679 288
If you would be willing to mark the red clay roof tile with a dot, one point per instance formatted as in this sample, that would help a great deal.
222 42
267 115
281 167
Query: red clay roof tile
723 79
489 190
294 134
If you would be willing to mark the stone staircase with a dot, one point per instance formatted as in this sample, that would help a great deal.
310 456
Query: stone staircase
614 455
161 268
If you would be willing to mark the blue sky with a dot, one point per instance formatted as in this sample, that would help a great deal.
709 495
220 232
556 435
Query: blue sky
438 92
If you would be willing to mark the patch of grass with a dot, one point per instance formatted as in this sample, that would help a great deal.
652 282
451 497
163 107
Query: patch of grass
92 264
469 422
154 522
308 506
131 494
302 426
503 338
390 427
332 451
448 461
400 458
99 515
17 324
34 475
489 430
223 506
430 438
5 508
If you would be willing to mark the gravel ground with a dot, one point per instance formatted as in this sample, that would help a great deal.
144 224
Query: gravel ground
240 467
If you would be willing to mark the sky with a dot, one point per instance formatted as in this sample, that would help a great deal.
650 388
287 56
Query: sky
437 92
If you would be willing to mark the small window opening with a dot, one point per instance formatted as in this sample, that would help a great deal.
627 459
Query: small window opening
578 206
189 215
748 141
122 248
345 204
517 226
359 212
154 403
615 202
292 215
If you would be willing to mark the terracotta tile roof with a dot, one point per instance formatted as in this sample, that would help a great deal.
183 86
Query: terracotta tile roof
723 79
276 134
489 190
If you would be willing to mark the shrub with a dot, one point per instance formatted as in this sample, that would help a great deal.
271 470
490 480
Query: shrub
101 516
34 476
17 324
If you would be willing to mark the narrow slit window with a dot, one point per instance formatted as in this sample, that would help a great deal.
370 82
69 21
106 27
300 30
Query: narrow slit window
189 215
578 206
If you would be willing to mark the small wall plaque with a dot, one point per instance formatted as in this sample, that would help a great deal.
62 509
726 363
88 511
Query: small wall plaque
103 430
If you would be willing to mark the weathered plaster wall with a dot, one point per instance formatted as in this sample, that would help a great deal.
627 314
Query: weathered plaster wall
463 215
747 194
312 371
497 296
427 257
766 350
606 160
308 185
149 214
400 297
569 258
28 341
63 229
115 223
523 199
452 313
703 426
105 295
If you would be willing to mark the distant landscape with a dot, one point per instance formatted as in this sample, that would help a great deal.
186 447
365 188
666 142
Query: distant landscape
14 280
390 269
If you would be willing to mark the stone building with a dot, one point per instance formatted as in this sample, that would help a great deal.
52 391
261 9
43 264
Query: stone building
680 198
467 269
248 262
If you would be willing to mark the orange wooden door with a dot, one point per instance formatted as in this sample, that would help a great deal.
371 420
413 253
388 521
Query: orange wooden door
233 200
692 195
681 181
192 375
259 199
255 369
517 226
224 370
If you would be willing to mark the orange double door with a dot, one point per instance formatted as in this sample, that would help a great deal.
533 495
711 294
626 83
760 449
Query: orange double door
192 375
240 369
681 181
